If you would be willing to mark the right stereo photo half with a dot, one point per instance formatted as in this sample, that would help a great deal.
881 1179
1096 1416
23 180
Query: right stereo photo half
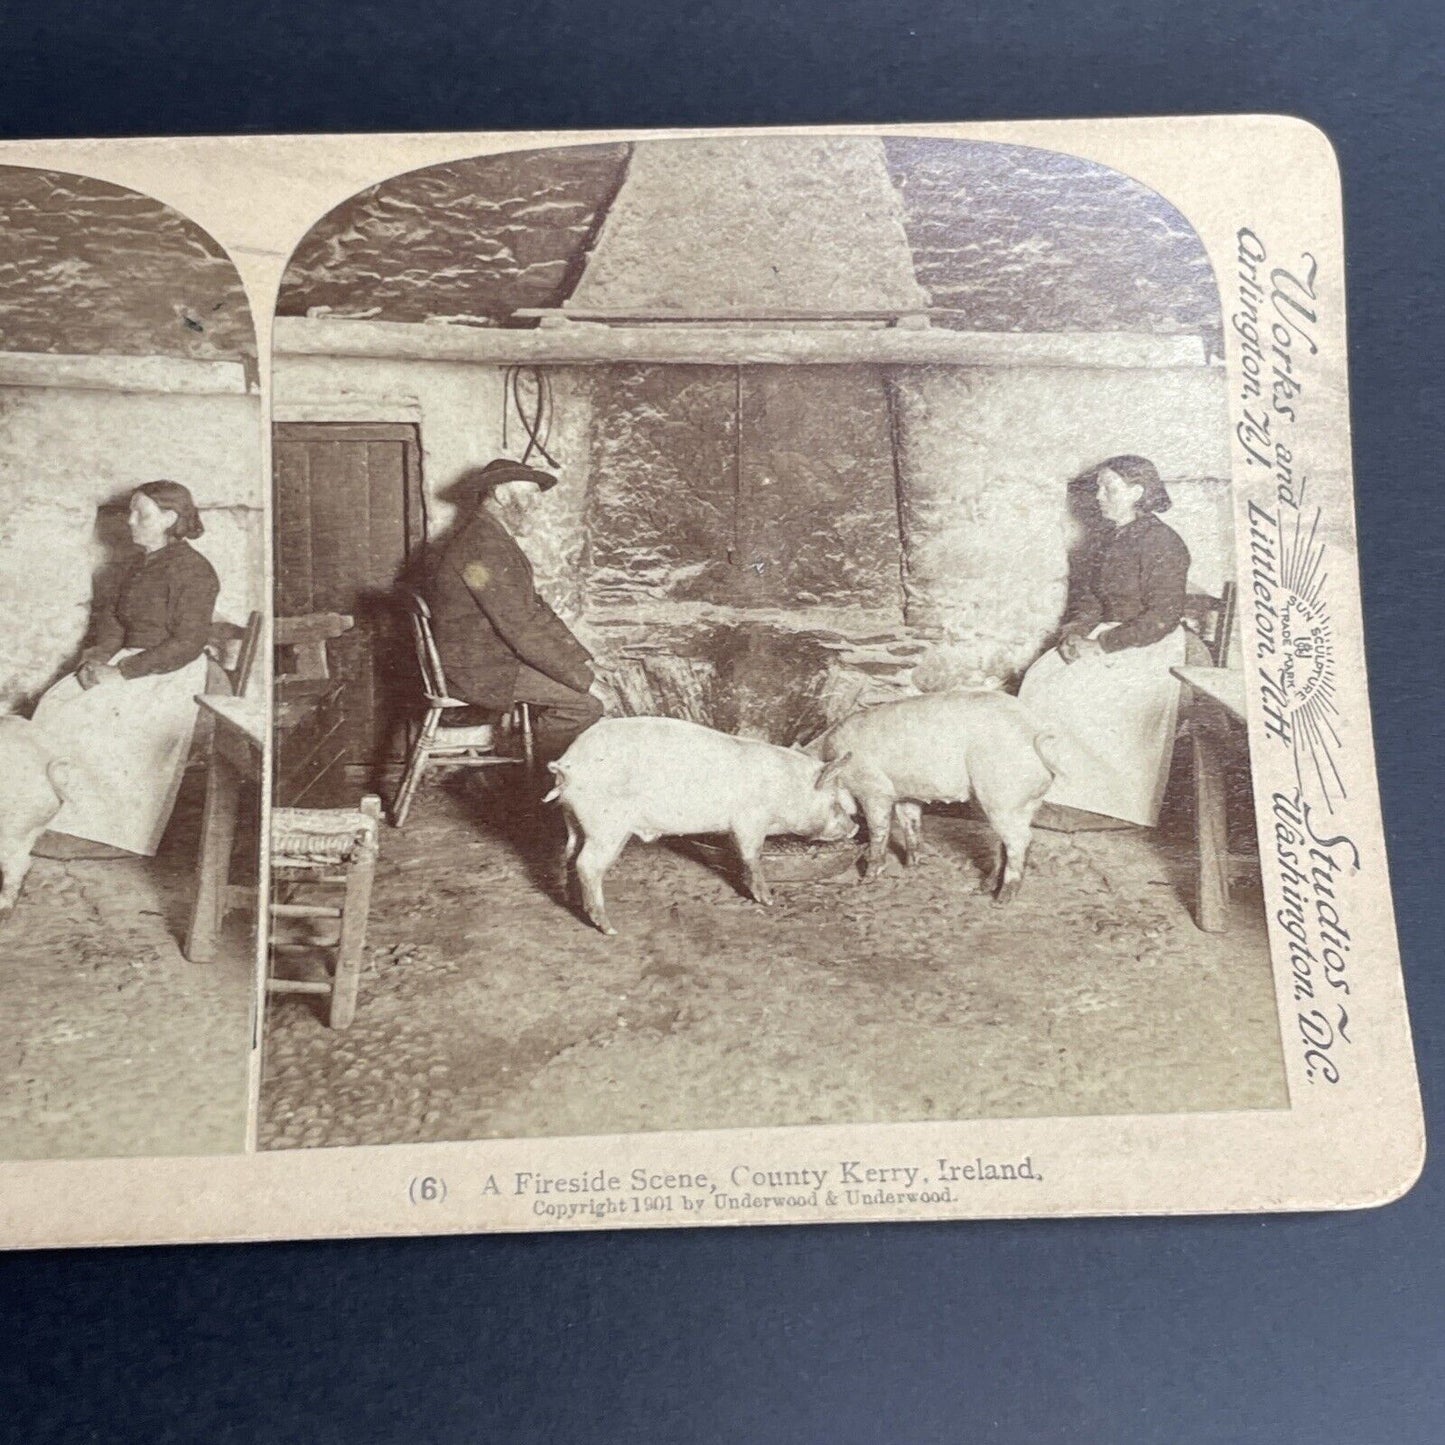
756 645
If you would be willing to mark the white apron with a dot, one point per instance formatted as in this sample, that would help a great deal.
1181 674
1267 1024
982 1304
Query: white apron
127 743
1115 716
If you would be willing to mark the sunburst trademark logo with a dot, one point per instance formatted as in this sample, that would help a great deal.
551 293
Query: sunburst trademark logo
1295 647
1307 662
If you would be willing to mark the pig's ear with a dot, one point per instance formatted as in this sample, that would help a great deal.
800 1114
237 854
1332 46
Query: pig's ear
831 770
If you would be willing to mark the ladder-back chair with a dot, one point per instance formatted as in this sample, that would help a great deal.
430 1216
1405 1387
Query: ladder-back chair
1213 740
466 746
325 848
1210 620
231 654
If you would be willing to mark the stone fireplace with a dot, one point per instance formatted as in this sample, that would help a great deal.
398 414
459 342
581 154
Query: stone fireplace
793 481
744 557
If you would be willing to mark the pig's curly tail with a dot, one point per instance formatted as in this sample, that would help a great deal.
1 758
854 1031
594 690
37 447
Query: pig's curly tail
560 773
1045 745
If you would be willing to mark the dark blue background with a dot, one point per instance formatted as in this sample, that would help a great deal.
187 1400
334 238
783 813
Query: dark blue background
1325 1328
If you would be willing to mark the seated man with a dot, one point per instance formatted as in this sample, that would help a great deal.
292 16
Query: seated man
500 643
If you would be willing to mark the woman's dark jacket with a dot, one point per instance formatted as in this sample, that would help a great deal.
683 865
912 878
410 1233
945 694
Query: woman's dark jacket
1138 580
164 606
488 618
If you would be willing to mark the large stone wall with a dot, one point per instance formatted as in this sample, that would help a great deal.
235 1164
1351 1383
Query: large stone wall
89 268
1013 238
662 497
986 458
765 486
472 240
805 520
819 501
63 455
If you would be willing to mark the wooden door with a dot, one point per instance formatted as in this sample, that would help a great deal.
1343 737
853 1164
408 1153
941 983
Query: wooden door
348 515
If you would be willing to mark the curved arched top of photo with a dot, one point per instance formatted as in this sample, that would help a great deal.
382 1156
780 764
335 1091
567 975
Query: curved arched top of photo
88 268
127 356
970 235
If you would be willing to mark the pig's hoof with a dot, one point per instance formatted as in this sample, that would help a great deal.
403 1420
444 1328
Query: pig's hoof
1007 893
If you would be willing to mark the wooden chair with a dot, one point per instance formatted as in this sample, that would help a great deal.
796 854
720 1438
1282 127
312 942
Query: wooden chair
316 849
231 654
309 717
1210 622
1212 739
466 747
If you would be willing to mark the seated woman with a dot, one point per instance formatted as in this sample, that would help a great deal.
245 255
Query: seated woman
1107 690
124 719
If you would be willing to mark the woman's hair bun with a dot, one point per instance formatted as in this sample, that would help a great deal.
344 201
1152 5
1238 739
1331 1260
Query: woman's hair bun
1140 472
173 497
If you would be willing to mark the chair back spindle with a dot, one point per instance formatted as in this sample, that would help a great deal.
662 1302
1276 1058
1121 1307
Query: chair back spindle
433 677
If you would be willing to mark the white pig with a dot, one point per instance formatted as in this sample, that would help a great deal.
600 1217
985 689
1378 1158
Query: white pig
944 748
649 777
32 784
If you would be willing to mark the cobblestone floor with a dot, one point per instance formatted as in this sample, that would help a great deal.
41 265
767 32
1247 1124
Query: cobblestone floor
111 1043
488 1009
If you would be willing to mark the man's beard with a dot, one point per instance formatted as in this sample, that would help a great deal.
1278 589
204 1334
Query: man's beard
512 515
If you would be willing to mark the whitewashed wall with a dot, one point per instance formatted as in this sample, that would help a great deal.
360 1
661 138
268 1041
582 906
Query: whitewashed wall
63 453
987 457
458 408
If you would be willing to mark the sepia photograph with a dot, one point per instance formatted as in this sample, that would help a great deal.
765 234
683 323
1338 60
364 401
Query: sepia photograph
615 680
132 571
757 644
705 739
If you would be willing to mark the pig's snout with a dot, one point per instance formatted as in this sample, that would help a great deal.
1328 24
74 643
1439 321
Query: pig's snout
841 824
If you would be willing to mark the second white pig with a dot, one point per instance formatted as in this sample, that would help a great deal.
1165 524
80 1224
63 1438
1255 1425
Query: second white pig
945 748
652 777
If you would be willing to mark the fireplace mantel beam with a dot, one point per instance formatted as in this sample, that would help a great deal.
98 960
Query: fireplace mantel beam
579 343
567 314
171 375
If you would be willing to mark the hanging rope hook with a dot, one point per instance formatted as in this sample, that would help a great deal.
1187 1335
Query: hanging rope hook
536 418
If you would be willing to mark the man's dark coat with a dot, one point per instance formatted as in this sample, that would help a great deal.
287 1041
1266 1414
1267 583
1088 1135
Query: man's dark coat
488 618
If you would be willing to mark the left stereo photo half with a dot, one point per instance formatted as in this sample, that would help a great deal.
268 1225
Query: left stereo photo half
132 575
